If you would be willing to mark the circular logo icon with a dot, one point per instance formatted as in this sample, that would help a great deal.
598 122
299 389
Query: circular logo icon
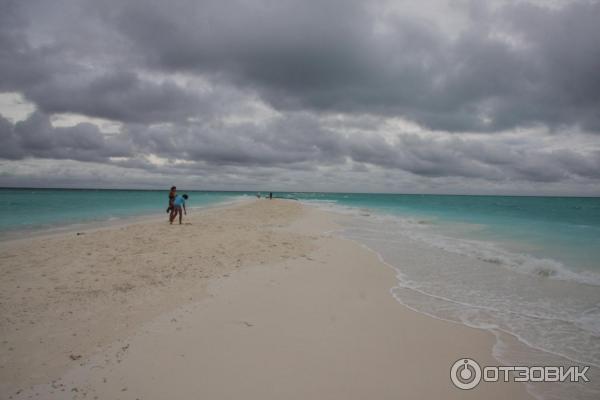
465 373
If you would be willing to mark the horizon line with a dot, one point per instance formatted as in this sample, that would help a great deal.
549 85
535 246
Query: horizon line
296 191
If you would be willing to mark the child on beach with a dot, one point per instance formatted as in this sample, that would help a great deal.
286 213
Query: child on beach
178 203
172 195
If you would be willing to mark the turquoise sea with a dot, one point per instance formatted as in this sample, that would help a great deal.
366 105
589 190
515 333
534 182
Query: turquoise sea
563 228
524 266
526 269
40 209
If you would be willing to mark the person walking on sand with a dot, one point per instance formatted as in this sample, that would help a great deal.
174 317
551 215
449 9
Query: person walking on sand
178 203
172 195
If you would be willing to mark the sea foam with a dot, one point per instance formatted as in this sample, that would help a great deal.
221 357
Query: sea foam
549 309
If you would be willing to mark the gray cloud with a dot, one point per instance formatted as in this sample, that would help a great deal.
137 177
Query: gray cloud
120 96
294 142
518 65
36 137
176 75
69 72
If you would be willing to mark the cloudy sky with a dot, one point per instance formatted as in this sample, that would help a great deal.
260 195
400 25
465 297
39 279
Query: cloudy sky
339 95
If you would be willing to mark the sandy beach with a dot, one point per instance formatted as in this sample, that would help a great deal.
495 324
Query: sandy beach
259 300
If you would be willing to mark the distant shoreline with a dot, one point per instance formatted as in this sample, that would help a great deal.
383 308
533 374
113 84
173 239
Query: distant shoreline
253 192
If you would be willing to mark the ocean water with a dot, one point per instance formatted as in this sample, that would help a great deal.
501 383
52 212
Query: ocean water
566 229
40 209
525 268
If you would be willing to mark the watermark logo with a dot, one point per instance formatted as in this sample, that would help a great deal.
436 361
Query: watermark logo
466 373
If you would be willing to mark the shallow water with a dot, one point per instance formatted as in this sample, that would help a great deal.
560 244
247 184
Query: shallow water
35 209
476 271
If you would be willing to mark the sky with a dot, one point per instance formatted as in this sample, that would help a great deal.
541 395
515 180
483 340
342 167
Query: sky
457 96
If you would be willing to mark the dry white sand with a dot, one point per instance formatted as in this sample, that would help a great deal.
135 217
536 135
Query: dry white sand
254 301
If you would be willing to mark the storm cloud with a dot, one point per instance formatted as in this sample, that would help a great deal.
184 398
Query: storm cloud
275 92
517 65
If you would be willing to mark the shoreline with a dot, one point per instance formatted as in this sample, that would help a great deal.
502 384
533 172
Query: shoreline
294 245
509 348
10 235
